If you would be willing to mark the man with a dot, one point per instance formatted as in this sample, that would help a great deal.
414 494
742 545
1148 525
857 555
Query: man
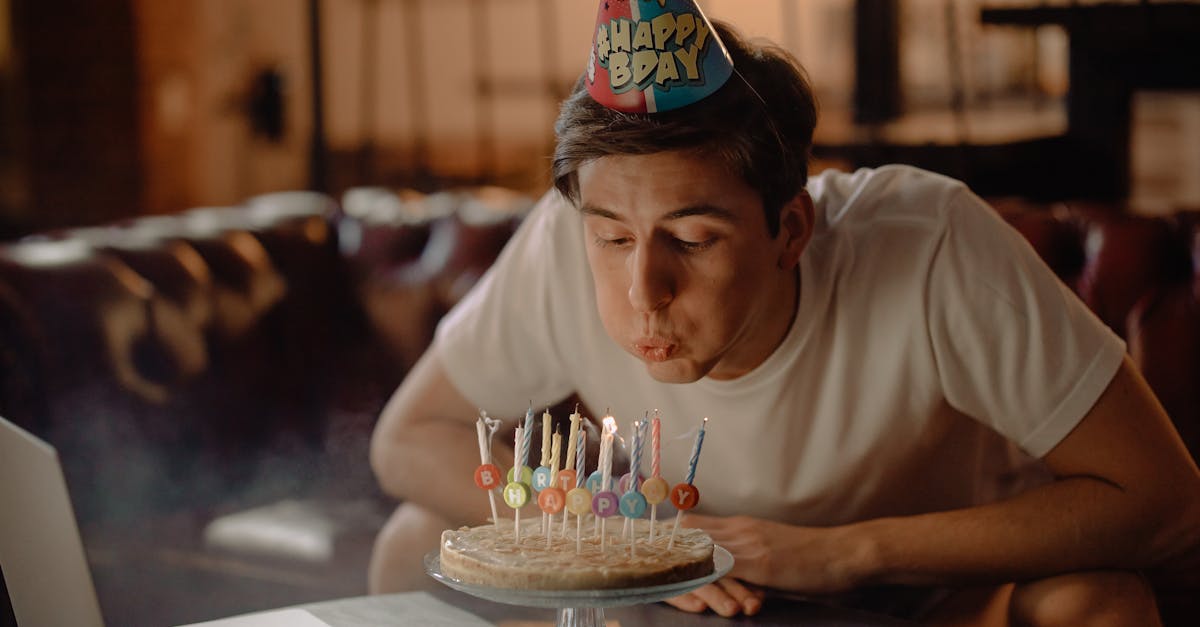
900 393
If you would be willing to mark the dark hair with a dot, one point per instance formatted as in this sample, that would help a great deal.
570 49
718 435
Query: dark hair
759 125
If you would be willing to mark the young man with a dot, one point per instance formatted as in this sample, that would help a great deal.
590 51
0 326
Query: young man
900 393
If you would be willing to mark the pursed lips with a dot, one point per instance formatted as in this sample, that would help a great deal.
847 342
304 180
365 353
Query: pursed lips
654 348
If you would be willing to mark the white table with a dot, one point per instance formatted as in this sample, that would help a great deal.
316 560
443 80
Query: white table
448 608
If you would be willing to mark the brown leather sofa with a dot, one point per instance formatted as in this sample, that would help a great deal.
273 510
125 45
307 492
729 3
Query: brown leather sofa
1140 275
161 349
178 360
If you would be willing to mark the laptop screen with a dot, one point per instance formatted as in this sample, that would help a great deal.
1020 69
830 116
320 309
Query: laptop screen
45 572
7 618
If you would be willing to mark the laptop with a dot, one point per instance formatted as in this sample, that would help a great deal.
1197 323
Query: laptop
44 576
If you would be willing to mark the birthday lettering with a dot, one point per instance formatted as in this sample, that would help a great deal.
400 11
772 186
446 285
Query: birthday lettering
689 57
551 501
636 54
641 37
683 496
701 33
516 495
488 478
541 480
664 27
603 45
566 480
618 70
667 69
620 35
685 25
644 63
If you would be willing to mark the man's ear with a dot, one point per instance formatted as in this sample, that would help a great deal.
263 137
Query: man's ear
796 221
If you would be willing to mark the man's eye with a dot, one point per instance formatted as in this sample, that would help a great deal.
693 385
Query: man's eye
695 247
605 242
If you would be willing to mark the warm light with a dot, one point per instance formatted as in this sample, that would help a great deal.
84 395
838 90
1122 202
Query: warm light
610 424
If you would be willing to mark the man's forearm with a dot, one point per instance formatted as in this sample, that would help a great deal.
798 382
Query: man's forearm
432 465
1070 525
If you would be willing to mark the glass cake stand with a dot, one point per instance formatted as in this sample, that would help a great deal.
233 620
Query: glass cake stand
581 608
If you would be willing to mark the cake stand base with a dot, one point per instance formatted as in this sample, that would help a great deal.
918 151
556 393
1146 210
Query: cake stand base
581 608
581 617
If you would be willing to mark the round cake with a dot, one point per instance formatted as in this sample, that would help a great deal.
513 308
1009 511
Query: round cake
490 555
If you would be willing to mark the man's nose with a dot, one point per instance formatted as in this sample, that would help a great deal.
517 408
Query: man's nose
651 284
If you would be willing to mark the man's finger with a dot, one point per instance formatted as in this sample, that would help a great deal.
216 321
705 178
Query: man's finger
750 599
718 599
688 602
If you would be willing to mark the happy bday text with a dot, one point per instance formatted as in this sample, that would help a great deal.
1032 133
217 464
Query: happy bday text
636 52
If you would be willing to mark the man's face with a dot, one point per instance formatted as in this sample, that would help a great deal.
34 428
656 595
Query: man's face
687 277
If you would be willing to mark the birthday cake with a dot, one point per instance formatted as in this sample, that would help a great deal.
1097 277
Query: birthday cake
549 553
489 555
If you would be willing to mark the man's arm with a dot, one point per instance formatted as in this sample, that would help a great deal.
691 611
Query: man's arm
1126 496
425 449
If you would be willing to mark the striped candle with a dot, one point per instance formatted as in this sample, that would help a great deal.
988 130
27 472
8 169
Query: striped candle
524 458
546 438
518 454
572 440
655 439
691 473
580 459
635 462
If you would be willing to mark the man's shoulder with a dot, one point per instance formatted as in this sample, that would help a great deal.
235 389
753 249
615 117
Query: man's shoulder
890 192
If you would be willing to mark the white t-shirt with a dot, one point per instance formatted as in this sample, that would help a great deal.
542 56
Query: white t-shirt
933 358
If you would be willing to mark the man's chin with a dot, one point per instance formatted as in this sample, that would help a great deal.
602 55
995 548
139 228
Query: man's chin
674 371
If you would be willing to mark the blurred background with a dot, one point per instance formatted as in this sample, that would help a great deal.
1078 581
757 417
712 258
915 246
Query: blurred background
228 227
126 107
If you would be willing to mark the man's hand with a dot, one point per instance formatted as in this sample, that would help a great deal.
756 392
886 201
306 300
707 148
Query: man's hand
726 597
771 555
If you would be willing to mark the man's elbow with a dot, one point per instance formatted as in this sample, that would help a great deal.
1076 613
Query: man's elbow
1178 532
1191 503
385 459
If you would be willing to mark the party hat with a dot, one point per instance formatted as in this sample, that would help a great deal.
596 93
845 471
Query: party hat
654 55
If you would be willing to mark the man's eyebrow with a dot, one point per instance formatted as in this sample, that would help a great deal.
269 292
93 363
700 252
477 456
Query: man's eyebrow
592 210
710 211
686 212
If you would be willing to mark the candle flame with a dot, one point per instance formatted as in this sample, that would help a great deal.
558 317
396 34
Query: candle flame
610 424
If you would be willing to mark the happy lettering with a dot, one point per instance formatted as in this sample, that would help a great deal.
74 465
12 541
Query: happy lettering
665 50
